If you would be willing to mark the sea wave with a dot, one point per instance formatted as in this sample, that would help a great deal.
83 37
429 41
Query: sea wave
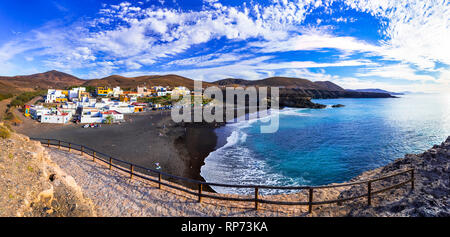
235 163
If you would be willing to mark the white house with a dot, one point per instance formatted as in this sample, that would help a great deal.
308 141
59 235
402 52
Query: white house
117 91
180 91
37 111
69 107
54 96
75 93
94 115
114 114
161 93
56 118
121 107
91 115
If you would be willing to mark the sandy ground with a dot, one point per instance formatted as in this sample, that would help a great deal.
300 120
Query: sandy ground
115 194
143 139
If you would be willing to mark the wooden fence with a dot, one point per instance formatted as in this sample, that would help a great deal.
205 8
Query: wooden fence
159 177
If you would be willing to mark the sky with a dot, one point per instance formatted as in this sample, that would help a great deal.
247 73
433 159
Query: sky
400 45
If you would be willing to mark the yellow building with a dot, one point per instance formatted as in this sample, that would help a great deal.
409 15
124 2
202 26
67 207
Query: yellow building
124 98
103 91
60 100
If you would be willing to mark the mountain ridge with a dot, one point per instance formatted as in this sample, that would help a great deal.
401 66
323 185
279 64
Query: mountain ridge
288 85
377 90
285 82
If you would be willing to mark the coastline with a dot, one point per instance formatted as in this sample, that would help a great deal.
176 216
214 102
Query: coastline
145 139
428 196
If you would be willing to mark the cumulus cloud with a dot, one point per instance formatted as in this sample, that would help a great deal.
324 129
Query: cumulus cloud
417 31
132 38
398 71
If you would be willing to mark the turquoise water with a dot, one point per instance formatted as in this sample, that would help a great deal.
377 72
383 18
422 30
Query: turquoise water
323 146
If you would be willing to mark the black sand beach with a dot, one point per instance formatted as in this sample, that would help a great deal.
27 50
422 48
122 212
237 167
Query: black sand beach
143 139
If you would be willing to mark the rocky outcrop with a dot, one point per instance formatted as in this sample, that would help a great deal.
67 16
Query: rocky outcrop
429 198
298 101
337 106
328 94
32 185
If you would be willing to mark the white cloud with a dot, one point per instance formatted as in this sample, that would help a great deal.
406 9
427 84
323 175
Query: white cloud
417 31
253 68
130 37
398 71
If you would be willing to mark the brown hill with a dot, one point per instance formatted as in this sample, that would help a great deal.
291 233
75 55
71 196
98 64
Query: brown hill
286 82
329 85
298 87
133 82
60 80
50 79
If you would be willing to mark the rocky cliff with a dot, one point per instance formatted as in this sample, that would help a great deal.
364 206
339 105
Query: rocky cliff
32 185
429 198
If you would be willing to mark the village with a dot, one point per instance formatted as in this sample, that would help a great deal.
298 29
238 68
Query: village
104 105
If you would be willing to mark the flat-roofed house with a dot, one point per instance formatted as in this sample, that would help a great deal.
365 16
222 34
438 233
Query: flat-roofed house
58 117
116 116
76 93
180 91
55 96
104 91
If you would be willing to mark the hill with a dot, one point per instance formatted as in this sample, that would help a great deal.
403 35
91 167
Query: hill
32 185
286 82
133 82
299 87
329 85
378 91
46 80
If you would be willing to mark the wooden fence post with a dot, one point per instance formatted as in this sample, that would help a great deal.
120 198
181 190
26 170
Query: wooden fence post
200 187
256 198
159 179
131 171
69 147
310 200
369 193
48 143
59 144
81 152
110 162
93 156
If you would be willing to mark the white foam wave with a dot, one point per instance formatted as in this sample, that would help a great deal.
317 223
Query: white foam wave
234 163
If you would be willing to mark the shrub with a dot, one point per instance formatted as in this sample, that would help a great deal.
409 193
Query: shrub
23 98
11 117
5 96
4 132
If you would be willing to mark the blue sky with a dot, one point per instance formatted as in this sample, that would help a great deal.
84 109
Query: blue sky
394 45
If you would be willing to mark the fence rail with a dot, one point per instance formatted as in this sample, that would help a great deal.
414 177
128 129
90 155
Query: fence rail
131 169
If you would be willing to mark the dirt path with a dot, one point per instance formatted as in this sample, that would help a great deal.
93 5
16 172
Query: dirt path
114 194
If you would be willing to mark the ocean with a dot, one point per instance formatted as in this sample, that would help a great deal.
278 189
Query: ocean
331 145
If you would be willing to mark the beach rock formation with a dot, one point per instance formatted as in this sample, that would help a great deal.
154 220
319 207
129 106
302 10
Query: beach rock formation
298 101
32 185
338 106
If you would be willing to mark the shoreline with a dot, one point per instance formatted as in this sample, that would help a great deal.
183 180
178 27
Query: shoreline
144 139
